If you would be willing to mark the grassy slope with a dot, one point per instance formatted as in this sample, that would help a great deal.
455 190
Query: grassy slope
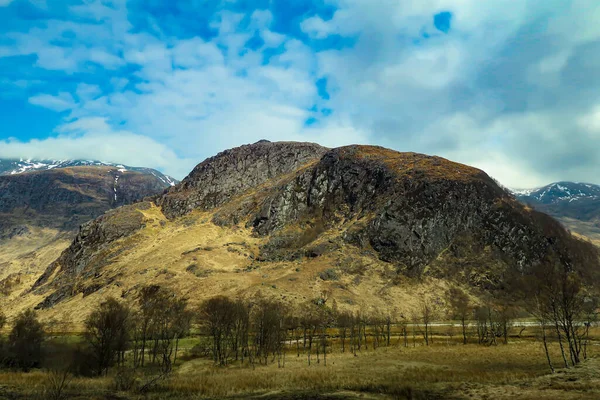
24 258
222 263
585 229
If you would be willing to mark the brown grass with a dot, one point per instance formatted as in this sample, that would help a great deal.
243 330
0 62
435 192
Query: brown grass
517 370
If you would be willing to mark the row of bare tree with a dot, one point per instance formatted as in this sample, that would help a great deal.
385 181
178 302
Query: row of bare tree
565 308
150 332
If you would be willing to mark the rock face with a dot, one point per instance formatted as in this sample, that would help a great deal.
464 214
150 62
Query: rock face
410 207
220 178
86 256
410 210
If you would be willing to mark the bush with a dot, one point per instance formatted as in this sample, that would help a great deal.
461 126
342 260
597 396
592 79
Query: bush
125 379
57 383
83 363
329 275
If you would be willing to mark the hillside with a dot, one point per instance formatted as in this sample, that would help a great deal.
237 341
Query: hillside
369 227
576 205
20 166
41 211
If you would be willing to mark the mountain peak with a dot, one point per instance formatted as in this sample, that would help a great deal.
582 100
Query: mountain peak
219 178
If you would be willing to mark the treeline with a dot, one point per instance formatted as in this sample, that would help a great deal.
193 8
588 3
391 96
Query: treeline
146 334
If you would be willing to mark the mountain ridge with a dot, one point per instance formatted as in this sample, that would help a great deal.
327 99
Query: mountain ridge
575 204
19 166
394 214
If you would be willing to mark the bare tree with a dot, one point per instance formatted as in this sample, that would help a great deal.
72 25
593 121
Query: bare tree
217 317
426 314
344 324
461 308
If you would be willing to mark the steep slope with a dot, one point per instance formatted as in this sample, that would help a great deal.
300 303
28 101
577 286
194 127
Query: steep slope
576 205
298 221
40 213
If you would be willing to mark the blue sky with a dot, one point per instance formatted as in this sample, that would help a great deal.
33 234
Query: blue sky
510 87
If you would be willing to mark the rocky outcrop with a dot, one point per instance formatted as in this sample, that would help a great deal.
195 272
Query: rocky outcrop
86 256
218 179
410 207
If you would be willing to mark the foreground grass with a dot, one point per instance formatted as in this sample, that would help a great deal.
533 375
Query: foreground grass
441 371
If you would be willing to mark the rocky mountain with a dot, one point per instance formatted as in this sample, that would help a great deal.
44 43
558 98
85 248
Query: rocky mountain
19 166
299 221
41 211
577 205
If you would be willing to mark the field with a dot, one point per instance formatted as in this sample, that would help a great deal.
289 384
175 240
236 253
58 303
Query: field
444 370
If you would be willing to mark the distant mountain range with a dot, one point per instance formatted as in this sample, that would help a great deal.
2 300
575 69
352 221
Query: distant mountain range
576 205
19 166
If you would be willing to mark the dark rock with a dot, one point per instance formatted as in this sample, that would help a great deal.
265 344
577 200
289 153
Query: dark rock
220 178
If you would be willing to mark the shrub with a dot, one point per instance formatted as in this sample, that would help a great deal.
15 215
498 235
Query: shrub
57 383
329 275
125 379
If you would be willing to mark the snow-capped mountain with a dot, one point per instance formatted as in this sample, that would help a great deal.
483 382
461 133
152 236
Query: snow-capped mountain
559 192
20 166
576 205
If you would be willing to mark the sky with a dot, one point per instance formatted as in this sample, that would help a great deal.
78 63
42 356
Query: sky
511 87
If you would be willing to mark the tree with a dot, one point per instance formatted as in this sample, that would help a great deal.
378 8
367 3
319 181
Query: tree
25 341
426 314
107 334
461 308
269 325
562 301
344 323
163 319
217 319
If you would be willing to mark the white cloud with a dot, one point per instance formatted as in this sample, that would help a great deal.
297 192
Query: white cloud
61 102
261 19
317 28
590 121
4 3
499 91
93 138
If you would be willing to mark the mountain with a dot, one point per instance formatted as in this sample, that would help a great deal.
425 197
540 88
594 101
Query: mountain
41 211
366 226
576 205
19 166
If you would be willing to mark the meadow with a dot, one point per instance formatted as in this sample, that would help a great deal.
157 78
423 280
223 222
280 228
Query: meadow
445 369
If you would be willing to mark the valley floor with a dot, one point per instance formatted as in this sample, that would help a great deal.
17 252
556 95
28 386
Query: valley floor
441 371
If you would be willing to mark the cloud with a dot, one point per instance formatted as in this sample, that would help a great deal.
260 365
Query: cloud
93 138
510 87
61 102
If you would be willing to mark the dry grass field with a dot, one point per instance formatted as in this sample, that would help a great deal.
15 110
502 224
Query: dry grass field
445 370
